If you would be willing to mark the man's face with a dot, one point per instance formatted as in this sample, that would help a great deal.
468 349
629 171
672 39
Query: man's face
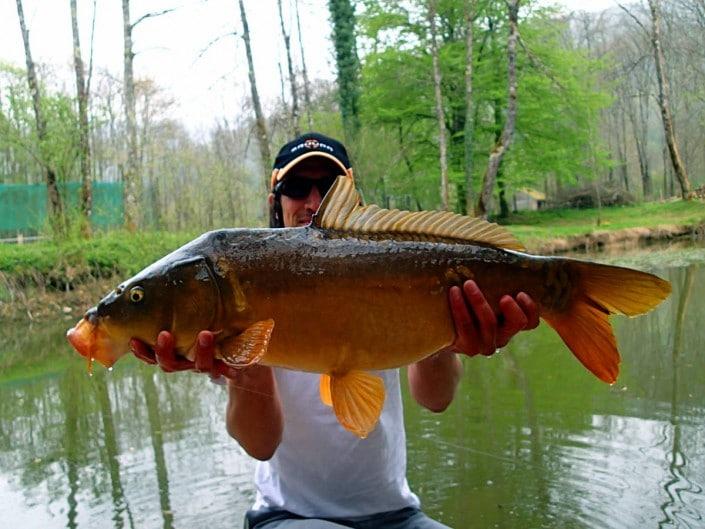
298 212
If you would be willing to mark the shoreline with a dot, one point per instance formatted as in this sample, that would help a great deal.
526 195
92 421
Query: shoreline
33 304
627 237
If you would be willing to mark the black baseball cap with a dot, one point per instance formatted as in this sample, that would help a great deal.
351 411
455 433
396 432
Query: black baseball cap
306 146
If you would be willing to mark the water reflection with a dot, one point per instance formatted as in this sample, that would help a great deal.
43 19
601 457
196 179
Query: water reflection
533 440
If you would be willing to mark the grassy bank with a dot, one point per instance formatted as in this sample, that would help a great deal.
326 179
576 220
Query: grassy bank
536 228
62 263
48 279
43 280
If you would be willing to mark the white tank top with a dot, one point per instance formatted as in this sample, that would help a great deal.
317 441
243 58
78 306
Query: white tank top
321 469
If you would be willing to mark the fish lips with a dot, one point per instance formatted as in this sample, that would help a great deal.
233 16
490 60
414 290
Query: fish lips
91 340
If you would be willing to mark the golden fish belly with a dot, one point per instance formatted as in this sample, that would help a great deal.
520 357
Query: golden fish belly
357 323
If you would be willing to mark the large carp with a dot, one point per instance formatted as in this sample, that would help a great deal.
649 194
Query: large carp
360 289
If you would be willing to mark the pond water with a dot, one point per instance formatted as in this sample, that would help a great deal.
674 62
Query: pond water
532 440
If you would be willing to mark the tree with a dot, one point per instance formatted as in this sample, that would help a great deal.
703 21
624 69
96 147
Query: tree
85 148
57 210
260 123
347 63
292 78
500 149
440 114
664 101
468 131
304 71
131 172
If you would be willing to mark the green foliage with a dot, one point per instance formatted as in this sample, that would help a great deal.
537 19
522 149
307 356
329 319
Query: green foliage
18 132
60 263
559 99
343 17
534 227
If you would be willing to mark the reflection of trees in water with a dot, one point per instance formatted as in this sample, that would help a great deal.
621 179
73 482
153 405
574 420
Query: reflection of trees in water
61 437
110 453
673 507
155 428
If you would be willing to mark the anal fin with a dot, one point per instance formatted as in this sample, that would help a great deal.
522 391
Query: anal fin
326 397
357 399
249 346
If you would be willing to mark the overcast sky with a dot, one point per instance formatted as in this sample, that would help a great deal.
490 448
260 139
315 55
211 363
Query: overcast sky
170 48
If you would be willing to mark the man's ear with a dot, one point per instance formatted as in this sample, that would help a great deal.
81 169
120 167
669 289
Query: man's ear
270 199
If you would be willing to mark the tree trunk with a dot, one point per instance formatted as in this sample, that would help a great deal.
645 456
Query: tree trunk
664 103
500 149
440 114
292 78
469 112
261 124
347 63
639 122
622 148
130 174
56 206
307 84
84 134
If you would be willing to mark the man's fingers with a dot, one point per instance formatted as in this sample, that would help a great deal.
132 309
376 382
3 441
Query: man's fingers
530 309
514 320
141 351
486 320
459 310
205 349
166 357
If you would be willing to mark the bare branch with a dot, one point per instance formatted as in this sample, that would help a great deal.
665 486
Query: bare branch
90 55
213 42
628 12
151 15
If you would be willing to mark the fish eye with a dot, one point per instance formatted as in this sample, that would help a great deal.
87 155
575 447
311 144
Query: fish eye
136 294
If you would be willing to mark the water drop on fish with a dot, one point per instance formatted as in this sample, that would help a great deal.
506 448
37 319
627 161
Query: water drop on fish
110 368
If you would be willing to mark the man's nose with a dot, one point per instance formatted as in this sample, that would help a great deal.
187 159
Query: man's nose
313 200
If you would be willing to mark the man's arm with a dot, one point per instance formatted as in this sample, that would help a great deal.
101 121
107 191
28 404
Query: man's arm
433 380
253 415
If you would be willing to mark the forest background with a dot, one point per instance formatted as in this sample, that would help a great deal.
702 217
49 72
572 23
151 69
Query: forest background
457 105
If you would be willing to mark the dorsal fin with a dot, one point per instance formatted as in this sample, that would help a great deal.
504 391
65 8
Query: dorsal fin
341 211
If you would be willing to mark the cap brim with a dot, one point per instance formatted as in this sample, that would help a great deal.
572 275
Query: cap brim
282 172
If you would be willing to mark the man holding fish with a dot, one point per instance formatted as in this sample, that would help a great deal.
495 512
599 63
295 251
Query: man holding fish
312 472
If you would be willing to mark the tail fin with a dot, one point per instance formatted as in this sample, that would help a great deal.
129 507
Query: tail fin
603 290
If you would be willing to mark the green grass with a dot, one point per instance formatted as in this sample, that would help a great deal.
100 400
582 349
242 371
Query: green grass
55 262
535 227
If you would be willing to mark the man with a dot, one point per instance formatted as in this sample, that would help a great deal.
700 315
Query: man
311 472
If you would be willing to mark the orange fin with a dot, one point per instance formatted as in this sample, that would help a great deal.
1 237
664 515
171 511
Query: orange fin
603 290
326 397
249 346
621 290
587 332
357 398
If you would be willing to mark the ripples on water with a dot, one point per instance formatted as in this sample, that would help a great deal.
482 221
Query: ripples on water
532 440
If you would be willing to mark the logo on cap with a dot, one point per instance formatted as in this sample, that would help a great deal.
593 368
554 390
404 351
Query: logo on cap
311 143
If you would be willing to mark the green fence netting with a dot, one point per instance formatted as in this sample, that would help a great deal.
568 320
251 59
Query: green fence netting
23 207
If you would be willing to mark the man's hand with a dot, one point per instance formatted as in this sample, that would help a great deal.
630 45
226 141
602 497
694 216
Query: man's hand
165 356
478 330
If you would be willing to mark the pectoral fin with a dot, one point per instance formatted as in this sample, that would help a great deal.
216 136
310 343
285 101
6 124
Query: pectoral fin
357 398
249 346
325 390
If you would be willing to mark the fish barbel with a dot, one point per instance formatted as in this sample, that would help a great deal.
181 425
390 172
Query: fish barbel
360 289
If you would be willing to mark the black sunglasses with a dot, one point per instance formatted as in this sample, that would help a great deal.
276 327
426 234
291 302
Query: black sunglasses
297 187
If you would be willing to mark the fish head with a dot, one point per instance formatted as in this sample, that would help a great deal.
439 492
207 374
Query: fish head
179 296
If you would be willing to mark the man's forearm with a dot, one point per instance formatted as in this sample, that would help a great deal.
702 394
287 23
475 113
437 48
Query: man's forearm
254 415
433 380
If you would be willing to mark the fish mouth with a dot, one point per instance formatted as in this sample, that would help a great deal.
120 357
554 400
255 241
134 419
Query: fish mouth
91 339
